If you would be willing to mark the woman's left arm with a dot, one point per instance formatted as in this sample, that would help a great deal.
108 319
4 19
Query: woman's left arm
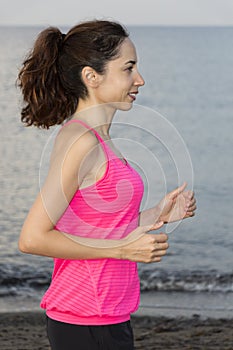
176 205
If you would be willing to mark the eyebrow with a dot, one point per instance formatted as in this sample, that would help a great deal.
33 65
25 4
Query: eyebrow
131 61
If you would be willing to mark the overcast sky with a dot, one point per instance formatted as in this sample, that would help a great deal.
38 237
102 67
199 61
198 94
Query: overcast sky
143 12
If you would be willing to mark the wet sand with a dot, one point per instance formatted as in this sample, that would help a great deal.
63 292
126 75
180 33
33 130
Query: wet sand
26 331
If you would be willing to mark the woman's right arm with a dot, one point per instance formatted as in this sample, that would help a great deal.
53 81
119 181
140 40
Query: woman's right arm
40 238
38 235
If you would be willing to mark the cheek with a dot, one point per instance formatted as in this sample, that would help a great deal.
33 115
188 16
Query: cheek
115 88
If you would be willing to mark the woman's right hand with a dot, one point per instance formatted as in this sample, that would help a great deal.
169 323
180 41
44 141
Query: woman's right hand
146 248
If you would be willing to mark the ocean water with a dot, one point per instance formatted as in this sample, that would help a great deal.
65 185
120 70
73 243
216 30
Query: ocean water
179 129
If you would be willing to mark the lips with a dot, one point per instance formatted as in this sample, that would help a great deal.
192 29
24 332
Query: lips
133 95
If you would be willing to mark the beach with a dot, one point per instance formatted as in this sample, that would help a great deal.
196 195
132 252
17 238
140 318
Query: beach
27 331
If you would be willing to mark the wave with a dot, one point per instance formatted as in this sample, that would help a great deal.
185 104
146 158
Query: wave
25 280
187 281
15 280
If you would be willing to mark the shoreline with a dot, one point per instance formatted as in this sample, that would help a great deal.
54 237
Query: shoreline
26 330
152 304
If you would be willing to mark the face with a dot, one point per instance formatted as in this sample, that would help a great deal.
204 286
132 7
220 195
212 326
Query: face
121 82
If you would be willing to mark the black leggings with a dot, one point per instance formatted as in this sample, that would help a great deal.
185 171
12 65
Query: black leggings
65 336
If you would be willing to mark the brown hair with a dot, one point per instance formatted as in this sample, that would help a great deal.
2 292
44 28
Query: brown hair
50 78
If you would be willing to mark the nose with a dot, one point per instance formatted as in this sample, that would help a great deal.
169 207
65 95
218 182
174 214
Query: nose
139 81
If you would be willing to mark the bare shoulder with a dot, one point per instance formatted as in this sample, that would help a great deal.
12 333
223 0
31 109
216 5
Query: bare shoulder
75 139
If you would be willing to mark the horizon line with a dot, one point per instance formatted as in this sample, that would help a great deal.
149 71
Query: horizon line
127 25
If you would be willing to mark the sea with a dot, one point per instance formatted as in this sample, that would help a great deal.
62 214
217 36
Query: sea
179 129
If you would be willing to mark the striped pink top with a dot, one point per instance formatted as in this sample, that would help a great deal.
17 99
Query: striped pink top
103 291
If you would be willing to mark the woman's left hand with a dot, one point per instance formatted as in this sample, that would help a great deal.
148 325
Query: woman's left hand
177 205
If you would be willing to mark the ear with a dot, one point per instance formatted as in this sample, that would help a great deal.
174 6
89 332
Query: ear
90 77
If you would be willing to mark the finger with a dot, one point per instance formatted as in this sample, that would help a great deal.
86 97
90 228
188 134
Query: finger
159 253
161 246
189 215
160 238
192 201
192 208
156 259
188 195
177 191
191 195
190 204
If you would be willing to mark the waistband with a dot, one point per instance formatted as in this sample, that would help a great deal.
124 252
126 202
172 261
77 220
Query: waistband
88 320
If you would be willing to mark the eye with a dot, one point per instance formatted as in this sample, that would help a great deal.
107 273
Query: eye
130 68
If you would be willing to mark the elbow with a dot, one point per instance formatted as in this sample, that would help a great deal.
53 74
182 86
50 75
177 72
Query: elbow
22 247
26 244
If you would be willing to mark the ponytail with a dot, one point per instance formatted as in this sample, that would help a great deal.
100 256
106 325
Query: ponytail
47 102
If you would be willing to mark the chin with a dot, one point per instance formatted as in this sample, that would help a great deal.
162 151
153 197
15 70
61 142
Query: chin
123 106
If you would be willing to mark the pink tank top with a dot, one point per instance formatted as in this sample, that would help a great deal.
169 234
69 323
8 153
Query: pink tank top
98 291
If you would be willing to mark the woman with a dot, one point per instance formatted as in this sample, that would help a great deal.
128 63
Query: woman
86 216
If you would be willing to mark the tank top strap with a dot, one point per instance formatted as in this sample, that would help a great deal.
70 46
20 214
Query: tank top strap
108 151
86 126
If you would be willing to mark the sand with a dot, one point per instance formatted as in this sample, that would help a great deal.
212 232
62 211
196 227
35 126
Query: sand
26 331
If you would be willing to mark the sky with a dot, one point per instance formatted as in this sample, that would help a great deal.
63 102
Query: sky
128 12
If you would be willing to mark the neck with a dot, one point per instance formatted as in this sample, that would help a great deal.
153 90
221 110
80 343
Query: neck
98 117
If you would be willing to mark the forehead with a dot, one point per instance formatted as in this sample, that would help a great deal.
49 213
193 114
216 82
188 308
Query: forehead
127 51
